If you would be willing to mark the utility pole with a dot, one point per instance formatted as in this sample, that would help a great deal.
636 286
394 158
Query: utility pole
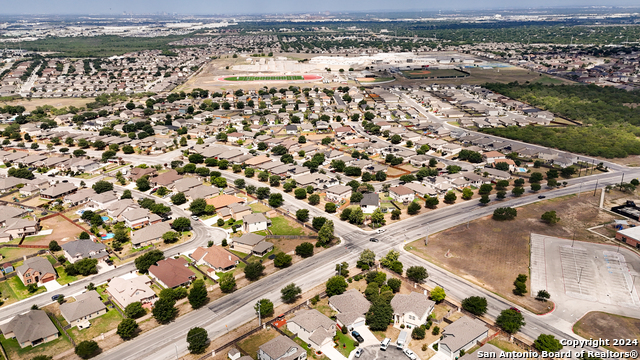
260 318
596 188
621 181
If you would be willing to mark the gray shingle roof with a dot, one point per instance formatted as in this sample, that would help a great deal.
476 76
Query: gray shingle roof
350 301
254 218
415 302
370 199
39 264
151 232
279 346
461 332
84 248
249 239
85 304
31 326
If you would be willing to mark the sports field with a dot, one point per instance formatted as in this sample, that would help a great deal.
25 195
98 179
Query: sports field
429 73
264 78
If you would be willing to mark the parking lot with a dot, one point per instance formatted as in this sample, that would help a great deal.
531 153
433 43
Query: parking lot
374 353
584 271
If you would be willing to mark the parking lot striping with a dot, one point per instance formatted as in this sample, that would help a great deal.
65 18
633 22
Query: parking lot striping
578 274
620 275
538 264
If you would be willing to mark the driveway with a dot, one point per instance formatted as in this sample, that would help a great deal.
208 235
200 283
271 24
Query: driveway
331 352
52 285
367 335
374 353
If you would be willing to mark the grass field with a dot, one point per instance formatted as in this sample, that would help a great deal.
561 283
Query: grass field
99 325
263 78
429 73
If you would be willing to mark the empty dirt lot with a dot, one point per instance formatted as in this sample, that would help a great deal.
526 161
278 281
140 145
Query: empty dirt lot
63 231
493 253
599 325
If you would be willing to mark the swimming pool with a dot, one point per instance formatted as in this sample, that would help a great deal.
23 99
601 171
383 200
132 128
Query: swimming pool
522 170
107 236
105 218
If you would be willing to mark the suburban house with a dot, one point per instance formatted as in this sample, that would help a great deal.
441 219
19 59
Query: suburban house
401 194
172 273
30 329
8 213
338 193
166 179
239 211
139 217
463 334
79 197
126 291
491 156
150 234
36 270
84 249
255 222
17 227
136 173
216 258
252 244
86 307
281 348
351 306
58 190
411 310
312 327
370 202
224 200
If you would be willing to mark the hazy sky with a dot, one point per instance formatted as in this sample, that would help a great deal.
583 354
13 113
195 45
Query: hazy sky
277 6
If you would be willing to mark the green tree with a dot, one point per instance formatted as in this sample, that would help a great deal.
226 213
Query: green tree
144 262
450 197
265 309
417 273
431 202
314 199
484 199
87 349
543 295
476 305
127 329
437 294
536 187
548 343
198 294
102 186
198 340
485 189
336 285
413 208
394 284
53 246
304 250
253 270
505 213
467 194
134 310
550 217
302 215
510 320
275 200
227 282
535 177
282 260
178 199
181 224
520 285
300 193
517 191
290 293
197 206
418 333
325 235
378 217
379 316
164 310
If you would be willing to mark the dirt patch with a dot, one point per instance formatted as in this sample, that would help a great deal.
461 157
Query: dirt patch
600 325
492 253
32 104
63 231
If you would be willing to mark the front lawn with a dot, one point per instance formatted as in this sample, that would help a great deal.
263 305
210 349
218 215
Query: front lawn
259 207
63 277
345 343
284 226
20 291
99 325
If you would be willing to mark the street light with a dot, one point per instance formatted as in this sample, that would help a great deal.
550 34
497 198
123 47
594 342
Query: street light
260 318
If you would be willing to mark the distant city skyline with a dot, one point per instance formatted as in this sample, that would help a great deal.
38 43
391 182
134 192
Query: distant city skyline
200 7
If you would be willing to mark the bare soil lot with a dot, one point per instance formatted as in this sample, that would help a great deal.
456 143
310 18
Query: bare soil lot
58 102
600 325
63 231
492 253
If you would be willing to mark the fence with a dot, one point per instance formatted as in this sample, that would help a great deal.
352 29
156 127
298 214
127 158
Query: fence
55 319
292 237
27 256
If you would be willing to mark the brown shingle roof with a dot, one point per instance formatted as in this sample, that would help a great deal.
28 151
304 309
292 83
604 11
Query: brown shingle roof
167 178
172 272
223 201
215 256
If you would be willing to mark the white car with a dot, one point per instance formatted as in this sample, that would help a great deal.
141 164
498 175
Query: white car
359 352
380 231
410 354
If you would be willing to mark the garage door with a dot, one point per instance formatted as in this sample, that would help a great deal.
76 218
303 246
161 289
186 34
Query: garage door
357 324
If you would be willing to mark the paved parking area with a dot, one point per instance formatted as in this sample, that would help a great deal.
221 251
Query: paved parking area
374 353
585 271
367 335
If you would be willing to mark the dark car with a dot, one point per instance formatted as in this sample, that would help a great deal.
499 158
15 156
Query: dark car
55 297
356 335
374 240
541 196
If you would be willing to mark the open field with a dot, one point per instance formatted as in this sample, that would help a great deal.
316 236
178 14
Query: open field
480 76
429 73
492 253
600 325
99 325
63 231
11 253
282 225
32 104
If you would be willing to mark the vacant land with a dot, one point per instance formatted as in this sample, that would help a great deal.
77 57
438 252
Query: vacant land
433 73
11 253
492 253
263 78
282 225
63 231
32 104
99 325
600 325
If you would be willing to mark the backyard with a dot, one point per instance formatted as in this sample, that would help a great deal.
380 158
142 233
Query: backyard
251 344
14 351
99 325
282 225
61 229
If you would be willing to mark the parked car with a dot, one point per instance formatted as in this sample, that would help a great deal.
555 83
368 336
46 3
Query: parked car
356 335
410 354
380 231
55 297
194 217
374 240
359 352
541 196
514 309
